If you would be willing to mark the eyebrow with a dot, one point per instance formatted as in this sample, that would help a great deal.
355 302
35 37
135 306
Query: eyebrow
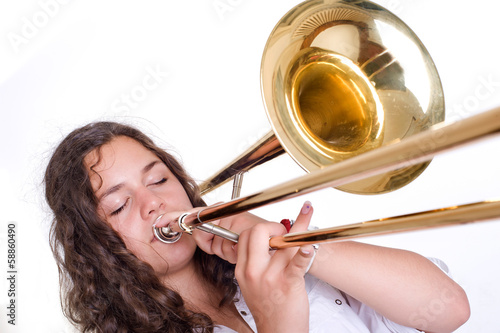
117 187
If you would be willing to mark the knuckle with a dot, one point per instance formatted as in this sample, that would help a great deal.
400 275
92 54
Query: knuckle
261 228
246 276
251 275
268 280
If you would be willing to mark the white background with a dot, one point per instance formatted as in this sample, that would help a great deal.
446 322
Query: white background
66 63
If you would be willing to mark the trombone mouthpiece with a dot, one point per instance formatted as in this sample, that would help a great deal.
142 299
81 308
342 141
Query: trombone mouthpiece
166 235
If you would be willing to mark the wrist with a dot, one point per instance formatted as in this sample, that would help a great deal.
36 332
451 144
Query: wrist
326 255
315 251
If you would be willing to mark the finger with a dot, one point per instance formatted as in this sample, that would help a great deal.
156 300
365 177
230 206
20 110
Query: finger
253 253
224 248
300 262
241 255
213 244
304 218
271 229
204 240
301 224
258 245
172 217
229 250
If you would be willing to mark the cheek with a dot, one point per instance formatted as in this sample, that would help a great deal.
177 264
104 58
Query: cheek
135 237
123 227
165 258
140 248
129 223
128 230
176 197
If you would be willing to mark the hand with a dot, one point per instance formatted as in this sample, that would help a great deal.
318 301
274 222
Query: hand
272 283
227 249
219 246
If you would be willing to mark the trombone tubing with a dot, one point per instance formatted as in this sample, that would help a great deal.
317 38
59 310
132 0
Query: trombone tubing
416 149
473 212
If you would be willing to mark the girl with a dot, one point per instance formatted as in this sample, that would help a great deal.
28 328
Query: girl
108 184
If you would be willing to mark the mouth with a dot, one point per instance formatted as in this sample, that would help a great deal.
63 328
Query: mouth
158 218
164 234
153 239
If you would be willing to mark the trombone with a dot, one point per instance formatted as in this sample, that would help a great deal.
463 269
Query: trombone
354 98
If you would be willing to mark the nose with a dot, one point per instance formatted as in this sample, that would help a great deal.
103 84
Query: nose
151 204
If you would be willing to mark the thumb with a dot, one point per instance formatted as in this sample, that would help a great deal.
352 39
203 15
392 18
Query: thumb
301 260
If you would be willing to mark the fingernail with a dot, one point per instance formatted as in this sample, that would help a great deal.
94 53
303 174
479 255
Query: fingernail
305 251
306 208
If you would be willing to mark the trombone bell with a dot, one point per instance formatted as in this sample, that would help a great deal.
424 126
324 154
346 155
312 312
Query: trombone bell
333 107
340 78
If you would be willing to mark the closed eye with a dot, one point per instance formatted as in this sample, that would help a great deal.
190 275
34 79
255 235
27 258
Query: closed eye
162 181
119 210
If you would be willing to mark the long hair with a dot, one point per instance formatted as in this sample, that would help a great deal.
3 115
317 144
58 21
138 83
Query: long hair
104 286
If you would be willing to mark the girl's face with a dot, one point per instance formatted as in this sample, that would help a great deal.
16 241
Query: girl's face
134 188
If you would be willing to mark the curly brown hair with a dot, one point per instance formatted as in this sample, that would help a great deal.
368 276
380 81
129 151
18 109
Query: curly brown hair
104 286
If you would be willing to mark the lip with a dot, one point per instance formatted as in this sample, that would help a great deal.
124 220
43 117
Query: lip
158 218
153 239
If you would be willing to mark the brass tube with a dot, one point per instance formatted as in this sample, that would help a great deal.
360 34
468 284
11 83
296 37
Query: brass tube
413 150
266 149
474 212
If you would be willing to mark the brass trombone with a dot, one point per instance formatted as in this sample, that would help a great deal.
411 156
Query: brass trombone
354 97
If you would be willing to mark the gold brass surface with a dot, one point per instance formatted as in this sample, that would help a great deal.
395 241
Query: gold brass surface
416 149
333 107
267 148
354 97
340 78
474 212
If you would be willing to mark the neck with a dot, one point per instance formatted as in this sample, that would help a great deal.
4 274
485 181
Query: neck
200 297
196 292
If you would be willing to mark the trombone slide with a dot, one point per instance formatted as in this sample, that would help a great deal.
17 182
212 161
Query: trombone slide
413 150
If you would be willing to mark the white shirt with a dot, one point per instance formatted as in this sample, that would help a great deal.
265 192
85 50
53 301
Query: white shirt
333 311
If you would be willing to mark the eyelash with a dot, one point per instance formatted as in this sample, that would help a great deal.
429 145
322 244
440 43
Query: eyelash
119 210
162 181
